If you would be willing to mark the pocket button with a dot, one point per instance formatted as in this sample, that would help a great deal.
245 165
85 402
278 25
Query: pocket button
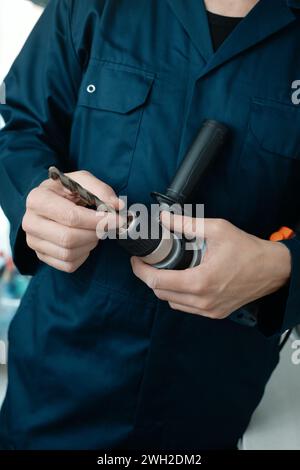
91 88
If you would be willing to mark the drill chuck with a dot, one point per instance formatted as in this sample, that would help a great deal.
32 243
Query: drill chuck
168 250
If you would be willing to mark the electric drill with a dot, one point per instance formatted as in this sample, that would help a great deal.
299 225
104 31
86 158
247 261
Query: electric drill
169 250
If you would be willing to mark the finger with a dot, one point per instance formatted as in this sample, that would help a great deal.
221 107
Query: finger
102 190
60 209
54 186
68 267
50 249
179 281
66 237
188 309
188 300
108 223
189 226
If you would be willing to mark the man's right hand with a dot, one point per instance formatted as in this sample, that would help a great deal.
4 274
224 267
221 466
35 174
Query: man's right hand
60 232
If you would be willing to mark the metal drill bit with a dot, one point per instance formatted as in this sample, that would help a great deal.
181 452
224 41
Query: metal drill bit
84 196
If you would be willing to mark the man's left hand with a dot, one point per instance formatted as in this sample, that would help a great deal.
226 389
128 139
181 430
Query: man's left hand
237 268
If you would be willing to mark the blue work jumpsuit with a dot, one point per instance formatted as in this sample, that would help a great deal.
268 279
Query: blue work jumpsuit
96 361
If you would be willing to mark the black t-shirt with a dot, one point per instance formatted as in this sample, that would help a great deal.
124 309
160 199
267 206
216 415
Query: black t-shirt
221 27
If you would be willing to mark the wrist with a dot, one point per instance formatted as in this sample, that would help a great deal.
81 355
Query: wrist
278 263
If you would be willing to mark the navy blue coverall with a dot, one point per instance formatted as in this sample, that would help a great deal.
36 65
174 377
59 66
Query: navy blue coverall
95 360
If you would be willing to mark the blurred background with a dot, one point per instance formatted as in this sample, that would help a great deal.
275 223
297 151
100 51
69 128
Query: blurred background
276 422
17 18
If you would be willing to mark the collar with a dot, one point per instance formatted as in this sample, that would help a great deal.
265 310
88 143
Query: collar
264 20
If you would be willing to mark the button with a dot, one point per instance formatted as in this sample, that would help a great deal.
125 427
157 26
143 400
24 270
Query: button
91 88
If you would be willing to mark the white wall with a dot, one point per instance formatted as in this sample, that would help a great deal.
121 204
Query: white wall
17 18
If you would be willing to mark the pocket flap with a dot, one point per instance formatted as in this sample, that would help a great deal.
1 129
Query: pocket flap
276 127
111 88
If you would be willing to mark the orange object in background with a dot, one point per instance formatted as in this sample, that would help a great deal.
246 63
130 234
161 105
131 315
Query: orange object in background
284 233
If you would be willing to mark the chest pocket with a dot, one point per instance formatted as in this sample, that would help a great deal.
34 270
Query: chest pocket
110 110
276 127
269 170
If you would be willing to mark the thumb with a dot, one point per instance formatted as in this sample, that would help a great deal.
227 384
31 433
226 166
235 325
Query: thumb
189 226
97 187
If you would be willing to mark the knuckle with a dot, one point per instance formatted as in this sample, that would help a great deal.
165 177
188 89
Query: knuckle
40 256
221 315
159 294
66 239
66 255
70 268
216 314
94 245
173 306
206 304
203 287
73 218
210 316
32 197
26 223
204 282
153 282
219 226
29 241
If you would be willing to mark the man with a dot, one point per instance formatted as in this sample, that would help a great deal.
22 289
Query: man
119 89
